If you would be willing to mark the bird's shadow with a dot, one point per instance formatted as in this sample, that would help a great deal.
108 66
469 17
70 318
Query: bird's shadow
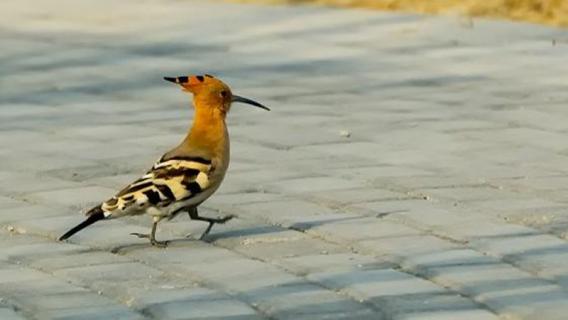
210 238
243 232
127 248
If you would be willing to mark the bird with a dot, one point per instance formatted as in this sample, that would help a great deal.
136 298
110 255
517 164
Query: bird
188 174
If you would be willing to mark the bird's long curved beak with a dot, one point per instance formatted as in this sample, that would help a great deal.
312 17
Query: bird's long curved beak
248 101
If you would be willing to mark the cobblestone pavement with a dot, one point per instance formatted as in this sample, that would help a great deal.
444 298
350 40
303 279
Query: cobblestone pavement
412 167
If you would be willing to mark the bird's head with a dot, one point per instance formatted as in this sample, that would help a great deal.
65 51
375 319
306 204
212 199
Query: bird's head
211 92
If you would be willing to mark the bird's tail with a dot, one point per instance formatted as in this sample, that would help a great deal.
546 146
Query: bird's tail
94 215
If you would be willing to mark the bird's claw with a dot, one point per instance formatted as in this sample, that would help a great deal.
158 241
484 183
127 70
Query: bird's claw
154 242
220 220
225 218
140 235
160 244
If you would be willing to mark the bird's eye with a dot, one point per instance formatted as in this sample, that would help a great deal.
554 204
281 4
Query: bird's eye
224 94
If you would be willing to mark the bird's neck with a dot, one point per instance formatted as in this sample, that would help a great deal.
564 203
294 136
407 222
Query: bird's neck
208 133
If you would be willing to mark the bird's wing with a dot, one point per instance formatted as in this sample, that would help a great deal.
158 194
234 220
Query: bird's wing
169 181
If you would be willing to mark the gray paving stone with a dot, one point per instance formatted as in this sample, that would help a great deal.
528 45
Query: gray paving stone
394 291
304 301
380 172
435 181
107 312
283 244
82 174
354 196
363 228
114 272
120 148
281 135
10 216
31 252
10 239
72 300
116 232
8 202
144 298
312 184
75 196
106 132
546 183
269 155
266 287
502 287
467 193
284 210
404 246
77 260
443 219
35 162
518 205
454 314
43 284
307 264
16 274
485 229
371 283
9 314
248 275
191 252
229 200
115 181
202 309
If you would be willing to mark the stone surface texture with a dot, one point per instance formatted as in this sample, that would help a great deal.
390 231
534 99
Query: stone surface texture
413 167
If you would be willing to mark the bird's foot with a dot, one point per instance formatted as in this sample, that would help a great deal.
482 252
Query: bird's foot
159 244
222 219
141 235
213 221
154 242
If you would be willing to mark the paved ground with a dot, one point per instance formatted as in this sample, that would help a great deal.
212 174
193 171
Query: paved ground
412 167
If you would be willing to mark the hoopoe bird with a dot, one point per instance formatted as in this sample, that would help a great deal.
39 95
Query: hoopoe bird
188 174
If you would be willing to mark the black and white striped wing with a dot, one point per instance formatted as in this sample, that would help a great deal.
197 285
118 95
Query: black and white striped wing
168 182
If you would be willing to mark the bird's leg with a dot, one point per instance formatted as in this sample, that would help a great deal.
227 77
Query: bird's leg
152 236
153 240
195 216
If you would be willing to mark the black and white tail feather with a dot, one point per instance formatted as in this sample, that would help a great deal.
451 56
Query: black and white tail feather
170 186
94 215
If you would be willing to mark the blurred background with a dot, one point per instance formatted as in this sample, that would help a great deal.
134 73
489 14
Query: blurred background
551 12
